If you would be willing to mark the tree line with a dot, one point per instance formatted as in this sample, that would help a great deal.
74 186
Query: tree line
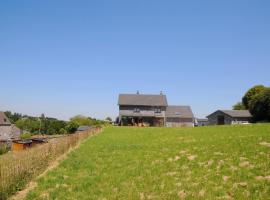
50 126
257 101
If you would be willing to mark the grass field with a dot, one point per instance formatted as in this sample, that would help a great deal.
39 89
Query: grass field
157 163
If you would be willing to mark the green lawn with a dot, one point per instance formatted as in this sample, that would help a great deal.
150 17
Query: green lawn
157 163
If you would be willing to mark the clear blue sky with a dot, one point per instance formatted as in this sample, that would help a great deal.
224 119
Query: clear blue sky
64 58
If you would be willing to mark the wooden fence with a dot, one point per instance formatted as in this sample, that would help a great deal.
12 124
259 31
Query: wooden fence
17 169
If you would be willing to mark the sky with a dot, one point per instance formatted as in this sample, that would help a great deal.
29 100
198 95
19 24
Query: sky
64 58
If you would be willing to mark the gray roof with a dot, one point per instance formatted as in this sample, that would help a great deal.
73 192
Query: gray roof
234 113
237 113
179 112
3 119
83 128
202 120
142 100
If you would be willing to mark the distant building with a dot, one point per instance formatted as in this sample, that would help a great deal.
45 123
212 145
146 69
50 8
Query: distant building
152 110
83 128
223 117
202 122
8 131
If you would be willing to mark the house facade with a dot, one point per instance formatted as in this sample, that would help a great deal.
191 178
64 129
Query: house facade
152 110
226 117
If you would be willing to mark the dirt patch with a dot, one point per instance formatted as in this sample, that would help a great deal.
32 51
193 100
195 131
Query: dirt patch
266 144
244 164
263 178
192 157
182 194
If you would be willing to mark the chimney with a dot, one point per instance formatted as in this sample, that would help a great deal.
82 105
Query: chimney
161 93
138 92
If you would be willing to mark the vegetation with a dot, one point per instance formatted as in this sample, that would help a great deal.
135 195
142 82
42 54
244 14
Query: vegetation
87 121
50 126
17 169
25 136
250 94
224 162
260 106
257 101
3 149
239 106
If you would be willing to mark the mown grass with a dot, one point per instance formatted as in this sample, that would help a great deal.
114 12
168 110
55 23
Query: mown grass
157 163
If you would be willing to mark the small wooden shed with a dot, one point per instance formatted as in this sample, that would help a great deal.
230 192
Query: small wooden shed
37 141
19 145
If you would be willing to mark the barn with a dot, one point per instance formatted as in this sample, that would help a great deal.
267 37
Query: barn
226 117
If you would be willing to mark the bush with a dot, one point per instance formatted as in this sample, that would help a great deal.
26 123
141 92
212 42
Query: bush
25 136
62 131
72 127
3 149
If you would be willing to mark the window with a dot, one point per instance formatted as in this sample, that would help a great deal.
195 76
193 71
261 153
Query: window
177 113
157 110
137 110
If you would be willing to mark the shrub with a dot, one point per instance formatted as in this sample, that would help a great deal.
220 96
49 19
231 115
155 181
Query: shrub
62 131
25 136
3 149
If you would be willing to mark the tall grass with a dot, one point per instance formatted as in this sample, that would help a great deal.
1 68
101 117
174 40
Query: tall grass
17 169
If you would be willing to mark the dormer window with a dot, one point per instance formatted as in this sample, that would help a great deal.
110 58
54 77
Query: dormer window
5 120
137 110
177 113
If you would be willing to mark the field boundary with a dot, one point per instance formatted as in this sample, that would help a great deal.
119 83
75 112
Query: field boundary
51 163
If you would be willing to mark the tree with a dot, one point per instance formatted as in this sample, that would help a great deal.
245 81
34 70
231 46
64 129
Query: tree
239 106
251 93
81 120
72 127
62 131
260 106
108 119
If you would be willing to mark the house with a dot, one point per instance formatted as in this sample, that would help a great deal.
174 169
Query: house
152 110
8 131
202 122
222 117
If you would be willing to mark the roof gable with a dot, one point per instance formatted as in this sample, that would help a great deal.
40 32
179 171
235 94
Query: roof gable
3 119
142 100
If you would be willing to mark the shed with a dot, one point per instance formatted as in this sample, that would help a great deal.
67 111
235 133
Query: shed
19 145
225 117
202 122
83 128
37 141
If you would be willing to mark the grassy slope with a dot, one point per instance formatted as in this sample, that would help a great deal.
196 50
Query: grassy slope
153 163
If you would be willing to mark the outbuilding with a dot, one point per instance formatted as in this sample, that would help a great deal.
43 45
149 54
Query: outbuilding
19 145
179 116
226 117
